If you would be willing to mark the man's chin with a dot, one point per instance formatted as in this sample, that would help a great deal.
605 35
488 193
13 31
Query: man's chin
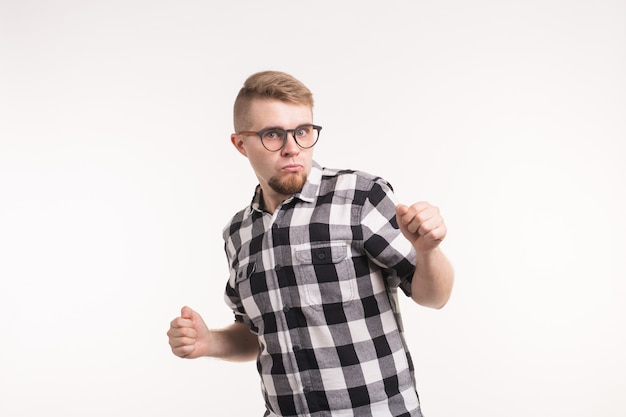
288 185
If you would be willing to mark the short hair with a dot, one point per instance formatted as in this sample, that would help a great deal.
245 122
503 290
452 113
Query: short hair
267 85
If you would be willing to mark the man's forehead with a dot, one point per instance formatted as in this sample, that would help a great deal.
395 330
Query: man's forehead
276 111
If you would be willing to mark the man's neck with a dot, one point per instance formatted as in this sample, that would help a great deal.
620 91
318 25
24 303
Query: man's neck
270 201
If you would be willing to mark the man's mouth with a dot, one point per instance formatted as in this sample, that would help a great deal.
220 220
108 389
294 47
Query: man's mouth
292 168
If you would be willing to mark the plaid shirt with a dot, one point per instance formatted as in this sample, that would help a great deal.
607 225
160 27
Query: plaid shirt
317 282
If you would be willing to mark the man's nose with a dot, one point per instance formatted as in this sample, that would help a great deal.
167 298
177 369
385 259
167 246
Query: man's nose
291 146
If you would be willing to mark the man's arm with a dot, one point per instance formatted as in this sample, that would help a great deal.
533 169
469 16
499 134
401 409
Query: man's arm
424 227
190 338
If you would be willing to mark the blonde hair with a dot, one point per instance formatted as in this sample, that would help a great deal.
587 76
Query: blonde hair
268 85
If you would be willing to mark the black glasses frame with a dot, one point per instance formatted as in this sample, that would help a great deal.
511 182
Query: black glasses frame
285 135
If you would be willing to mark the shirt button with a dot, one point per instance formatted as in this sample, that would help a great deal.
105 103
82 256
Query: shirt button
306 390
286 309
296 348
277 267
321 256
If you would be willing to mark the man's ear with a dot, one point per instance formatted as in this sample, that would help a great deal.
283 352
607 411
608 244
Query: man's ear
237 141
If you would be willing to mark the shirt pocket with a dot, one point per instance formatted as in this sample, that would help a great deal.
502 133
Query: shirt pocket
324 274
245 278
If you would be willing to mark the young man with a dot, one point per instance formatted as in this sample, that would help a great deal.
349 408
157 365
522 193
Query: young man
316 261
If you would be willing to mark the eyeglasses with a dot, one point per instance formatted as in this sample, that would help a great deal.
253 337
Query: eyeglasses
275 138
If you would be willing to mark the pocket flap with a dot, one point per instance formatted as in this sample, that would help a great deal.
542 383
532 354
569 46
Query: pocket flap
323 254
245 271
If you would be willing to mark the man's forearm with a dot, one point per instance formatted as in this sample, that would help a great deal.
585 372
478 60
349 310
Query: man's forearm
433 279
234 343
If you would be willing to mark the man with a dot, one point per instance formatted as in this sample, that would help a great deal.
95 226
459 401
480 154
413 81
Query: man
315 261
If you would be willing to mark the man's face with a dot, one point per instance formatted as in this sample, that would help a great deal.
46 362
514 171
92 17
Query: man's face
284 172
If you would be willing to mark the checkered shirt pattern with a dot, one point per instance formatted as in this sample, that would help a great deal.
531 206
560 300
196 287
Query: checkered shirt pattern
317 282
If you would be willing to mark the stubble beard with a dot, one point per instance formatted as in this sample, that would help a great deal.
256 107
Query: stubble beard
288 185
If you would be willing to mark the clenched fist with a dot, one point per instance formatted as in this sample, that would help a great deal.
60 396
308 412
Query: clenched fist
189 335
422 225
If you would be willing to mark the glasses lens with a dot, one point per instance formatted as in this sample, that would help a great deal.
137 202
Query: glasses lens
273 138
306 135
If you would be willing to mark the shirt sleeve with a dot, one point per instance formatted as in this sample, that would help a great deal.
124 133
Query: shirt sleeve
231 295
383 241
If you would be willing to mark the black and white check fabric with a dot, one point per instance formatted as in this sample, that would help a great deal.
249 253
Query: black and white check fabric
317 282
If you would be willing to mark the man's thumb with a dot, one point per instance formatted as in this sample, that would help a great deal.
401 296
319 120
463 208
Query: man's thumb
401 209
186 312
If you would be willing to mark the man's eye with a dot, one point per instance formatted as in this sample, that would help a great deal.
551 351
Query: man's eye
272 134
304 131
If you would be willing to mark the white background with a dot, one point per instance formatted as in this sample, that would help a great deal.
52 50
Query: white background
117 176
